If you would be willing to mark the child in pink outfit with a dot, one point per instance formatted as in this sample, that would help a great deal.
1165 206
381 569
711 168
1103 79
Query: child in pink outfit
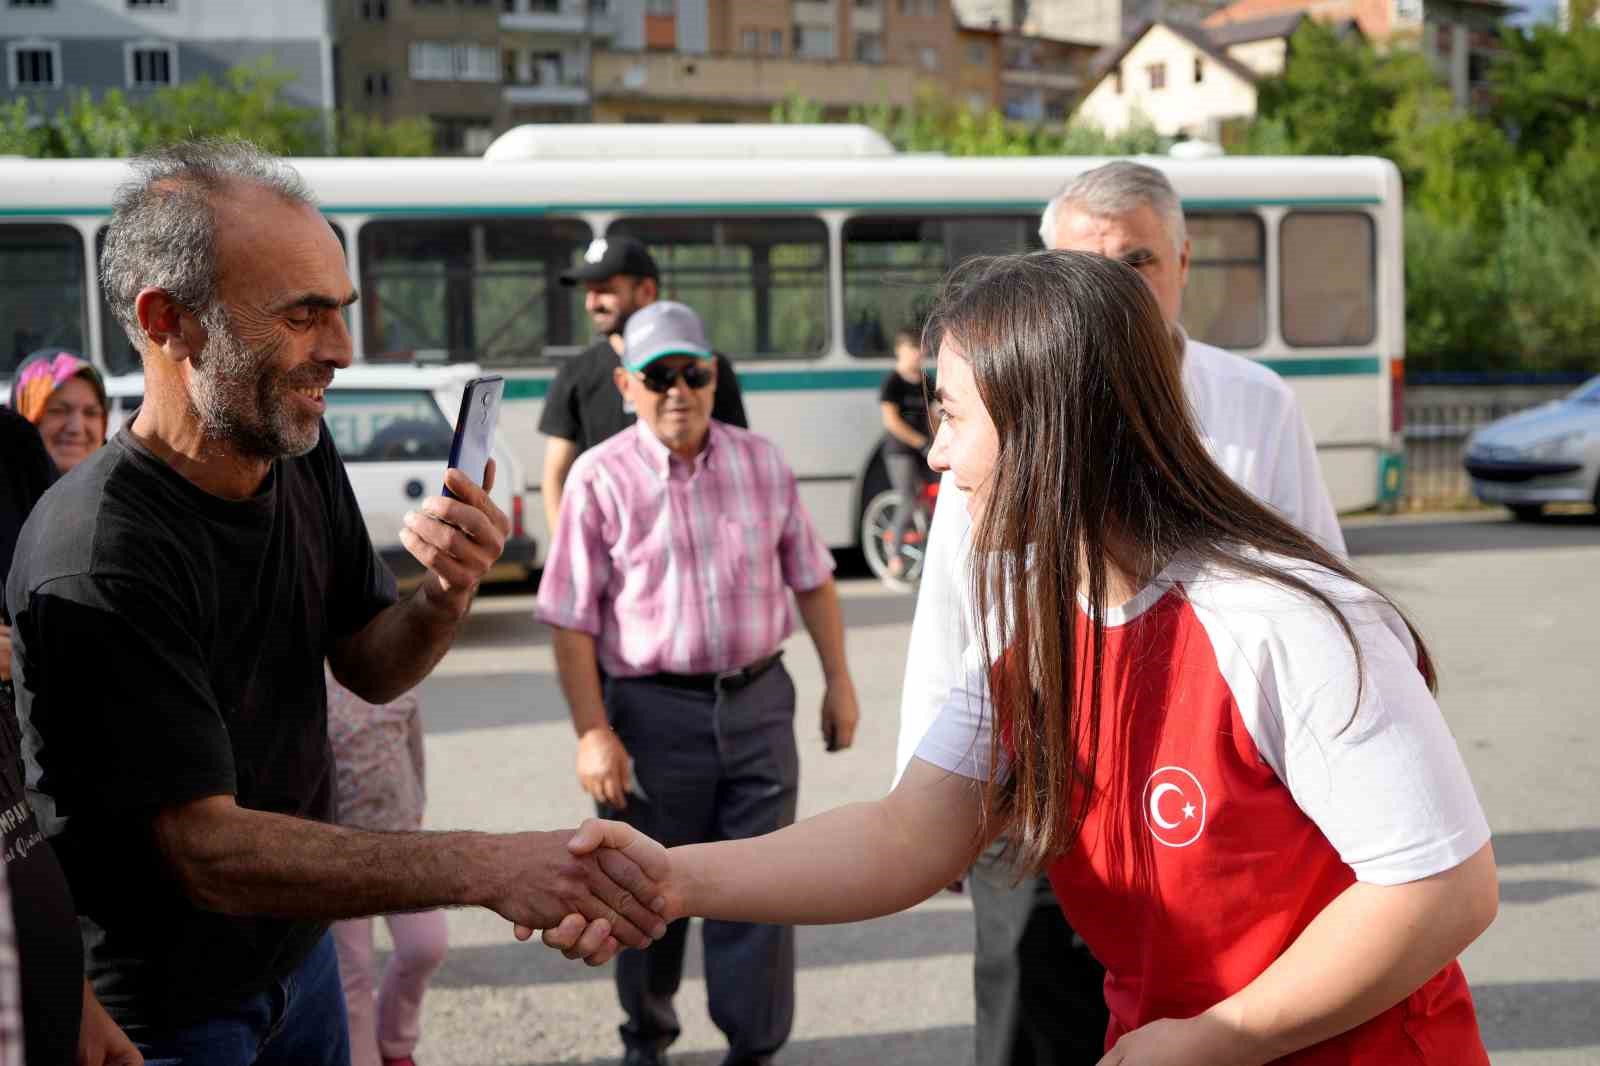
377 750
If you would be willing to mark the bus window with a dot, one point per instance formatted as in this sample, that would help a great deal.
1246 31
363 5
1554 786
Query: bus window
120 356
760 285
483 289
1225 302
41 291
893 265
1329 283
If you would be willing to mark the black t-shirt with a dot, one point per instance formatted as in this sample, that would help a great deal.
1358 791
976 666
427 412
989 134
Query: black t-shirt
584 406
910 399
169 647
49 949
25 472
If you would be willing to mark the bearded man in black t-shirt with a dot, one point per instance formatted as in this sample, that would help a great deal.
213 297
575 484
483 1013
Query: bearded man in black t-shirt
174 601
583 406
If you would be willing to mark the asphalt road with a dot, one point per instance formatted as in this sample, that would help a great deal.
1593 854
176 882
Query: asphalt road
1509 610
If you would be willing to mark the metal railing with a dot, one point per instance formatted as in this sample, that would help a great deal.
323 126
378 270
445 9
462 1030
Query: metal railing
1436 441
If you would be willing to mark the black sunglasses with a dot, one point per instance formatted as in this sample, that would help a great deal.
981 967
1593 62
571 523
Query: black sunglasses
660 377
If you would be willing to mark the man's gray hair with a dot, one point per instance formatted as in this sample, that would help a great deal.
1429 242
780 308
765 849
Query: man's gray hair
1118 189
163 230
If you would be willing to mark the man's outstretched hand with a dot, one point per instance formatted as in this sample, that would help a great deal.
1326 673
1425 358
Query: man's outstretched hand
624 854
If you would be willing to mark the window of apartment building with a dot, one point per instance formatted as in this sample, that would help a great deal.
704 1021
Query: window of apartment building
928 57
813 42
374 10
893 265
749 40
1158 75
483 289
661 7
919 7
447 61
508 66
42 290
978 53
34 64
1199 70
150 66
869 48
30 3
376 85
1225 301
759 284
1328 261
870 5
545 7
775 42
544 68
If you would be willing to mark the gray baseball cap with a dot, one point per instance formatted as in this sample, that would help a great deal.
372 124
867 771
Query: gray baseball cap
659 329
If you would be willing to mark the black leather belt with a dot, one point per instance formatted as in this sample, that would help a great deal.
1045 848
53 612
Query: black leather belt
727 681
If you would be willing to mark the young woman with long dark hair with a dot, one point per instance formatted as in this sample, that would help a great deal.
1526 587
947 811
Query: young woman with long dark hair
1220 742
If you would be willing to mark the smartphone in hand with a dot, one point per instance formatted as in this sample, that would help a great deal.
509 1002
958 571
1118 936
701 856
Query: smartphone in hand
475 425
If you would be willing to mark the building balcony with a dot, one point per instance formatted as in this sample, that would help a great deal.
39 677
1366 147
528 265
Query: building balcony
749 80
1057 80
549 95
571 20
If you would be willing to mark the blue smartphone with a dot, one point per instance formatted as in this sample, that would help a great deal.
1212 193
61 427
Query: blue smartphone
474 439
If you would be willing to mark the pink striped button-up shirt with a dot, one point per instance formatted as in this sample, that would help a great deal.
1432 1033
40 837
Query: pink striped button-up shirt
678 567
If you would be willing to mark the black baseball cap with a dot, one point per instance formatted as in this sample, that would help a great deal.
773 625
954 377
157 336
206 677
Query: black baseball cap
606 257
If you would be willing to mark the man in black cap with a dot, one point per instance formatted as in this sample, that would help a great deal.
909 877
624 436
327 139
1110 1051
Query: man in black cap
583 406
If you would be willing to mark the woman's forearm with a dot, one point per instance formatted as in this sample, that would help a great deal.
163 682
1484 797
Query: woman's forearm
852 863
1368 949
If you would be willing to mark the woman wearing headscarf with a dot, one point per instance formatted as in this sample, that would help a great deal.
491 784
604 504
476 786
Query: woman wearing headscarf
63 395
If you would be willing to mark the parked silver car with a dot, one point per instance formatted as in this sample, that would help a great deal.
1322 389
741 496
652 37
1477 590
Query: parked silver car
1548 454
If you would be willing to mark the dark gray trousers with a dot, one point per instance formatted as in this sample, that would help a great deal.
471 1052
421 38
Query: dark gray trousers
1040 993
719 766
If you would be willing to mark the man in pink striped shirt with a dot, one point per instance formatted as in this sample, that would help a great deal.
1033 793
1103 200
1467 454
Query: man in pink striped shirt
678 543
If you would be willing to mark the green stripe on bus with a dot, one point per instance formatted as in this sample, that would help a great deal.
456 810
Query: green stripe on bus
941 207
753 380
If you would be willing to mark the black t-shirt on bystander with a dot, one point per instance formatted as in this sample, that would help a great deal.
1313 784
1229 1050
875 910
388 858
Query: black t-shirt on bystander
584 406
49 949
170 647
911 400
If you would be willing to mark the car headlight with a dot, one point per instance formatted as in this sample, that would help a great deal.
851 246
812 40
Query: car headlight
1557 447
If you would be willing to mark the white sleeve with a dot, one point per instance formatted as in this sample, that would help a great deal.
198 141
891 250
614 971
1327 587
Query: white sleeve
1298 488
962 734
1384 781
941 628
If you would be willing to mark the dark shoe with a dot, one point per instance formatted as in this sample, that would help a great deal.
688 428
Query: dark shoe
643 1056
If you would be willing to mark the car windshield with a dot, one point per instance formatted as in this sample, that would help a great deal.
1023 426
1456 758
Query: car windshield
1588 392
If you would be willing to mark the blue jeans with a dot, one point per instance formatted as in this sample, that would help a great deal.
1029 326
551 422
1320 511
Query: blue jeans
300 1021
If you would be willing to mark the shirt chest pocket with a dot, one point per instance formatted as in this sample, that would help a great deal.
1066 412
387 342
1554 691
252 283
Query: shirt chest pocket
747 556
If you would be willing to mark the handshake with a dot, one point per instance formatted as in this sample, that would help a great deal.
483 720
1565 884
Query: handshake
619 886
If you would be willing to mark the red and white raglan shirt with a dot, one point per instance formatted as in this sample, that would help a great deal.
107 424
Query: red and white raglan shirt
1241 788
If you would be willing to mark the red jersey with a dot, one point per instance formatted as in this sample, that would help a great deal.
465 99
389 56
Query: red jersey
1240 790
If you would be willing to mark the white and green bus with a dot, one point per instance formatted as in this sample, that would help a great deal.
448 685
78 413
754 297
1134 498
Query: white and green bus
803 248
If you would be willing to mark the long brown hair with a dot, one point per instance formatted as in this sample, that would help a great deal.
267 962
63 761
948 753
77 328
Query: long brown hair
1099 460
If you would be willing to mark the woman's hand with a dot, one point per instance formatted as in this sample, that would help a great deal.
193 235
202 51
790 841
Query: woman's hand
610 842
1204 1040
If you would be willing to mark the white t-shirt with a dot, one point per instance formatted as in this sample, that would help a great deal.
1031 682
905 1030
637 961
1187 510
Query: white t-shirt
1257 435
1382 780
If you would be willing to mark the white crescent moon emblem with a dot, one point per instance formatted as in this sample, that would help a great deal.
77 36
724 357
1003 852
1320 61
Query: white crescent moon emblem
1155 805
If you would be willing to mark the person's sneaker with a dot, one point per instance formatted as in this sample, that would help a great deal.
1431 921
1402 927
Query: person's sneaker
643 1056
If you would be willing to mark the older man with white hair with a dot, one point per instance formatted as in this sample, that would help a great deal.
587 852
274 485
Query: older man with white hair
1038 991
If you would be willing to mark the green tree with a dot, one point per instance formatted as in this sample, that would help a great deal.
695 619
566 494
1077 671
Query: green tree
249 102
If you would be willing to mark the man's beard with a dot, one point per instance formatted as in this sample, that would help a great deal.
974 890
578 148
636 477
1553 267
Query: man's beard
618 319
241 401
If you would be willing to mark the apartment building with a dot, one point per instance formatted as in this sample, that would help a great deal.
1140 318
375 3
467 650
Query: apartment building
1459 37
56 49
